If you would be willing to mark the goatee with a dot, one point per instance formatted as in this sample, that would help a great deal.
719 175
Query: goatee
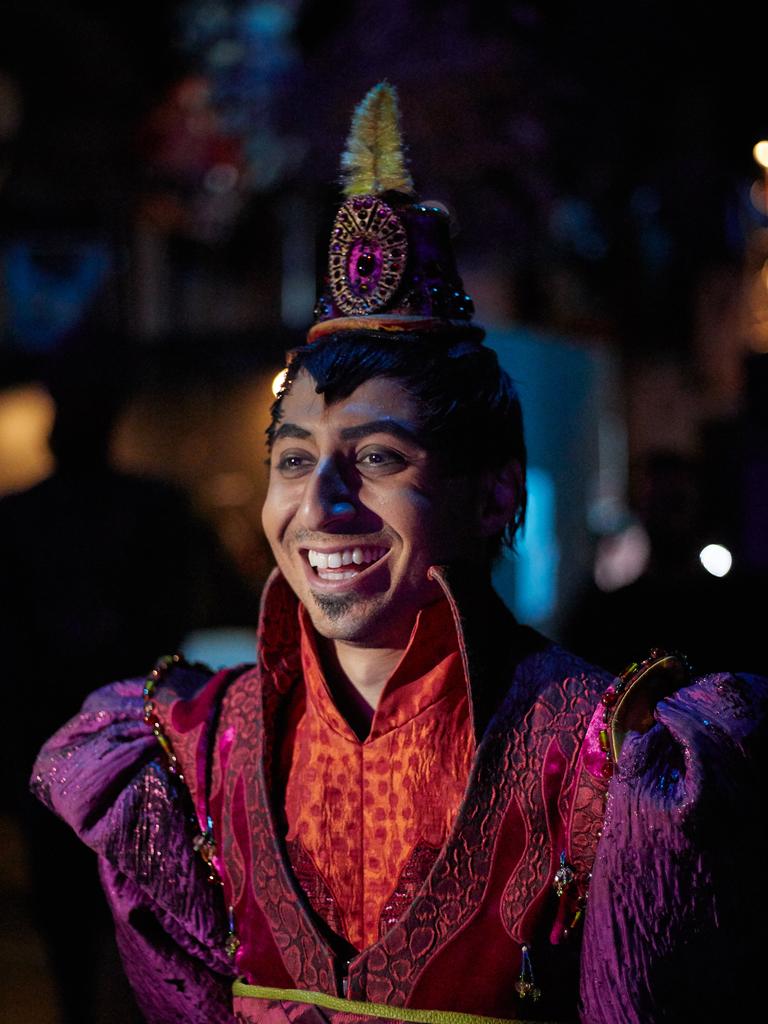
334 605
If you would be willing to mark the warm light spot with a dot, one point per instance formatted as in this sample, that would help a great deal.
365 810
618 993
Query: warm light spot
716 559
279 382
26 418
760 153
229 490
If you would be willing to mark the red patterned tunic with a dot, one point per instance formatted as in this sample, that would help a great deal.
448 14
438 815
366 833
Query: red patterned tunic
468 875
367 818
670 896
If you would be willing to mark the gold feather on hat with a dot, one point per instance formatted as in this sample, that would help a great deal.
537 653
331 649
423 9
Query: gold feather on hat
373 159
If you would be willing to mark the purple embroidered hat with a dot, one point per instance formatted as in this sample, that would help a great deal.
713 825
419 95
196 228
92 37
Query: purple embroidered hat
390 261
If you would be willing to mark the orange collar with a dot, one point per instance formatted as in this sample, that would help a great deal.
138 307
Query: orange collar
490 640
429 669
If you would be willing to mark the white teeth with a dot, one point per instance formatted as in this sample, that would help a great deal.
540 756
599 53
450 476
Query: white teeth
336 559
325 575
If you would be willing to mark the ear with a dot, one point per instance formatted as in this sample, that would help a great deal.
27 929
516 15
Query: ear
501 497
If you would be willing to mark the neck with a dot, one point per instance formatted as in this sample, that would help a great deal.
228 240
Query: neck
366 669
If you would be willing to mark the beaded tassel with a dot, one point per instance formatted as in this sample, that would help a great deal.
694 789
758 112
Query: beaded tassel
563 876
205 844
526 984
232 943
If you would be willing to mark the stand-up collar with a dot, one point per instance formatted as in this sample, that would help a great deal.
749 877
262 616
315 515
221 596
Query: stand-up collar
490 640
430 667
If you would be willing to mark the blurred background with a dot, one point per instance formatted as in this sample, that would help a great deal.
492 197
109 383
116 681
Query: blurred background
168 177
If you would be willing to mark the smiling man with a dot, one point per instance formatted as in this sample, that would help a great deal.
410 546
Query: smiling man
363 500
399 812
353 512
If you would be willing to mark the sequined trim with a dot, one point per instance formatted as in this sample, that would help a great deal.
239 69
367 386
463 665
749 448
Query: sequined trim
204 843
153 680
363 1009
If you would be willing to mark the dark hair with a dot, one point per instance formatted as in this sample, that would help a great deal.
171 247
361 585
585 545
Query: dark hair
470 407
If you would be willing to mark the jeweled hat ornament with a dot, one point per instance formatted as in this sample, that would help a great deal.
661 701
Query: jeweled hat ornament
390 262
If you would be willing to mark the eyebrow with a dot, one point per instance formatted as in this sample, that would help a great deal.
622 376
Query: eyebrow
291 430
382 426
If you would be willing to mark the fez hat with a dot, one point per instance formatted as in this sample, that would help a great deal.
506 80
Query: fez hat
391 265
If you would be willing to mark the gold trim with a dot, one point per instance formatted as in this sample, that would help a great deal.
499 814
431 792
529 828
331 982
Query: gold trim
363 1009
663 661
391 322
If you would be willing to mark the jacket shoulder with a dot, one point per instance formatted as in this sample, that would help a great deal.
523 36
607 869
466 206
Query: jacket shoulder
91 763
672 895
107 775
552 669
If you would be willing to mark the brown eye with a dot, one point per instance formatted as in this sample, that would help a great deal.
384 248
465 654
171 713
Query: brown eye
294 463
380 460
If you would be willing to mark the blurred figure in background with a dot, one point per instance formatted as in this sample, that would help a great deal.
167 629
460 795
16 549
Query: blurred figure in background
100 571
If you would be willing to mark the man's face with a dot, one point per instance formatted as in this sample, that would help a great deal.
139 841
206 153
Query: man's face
357 510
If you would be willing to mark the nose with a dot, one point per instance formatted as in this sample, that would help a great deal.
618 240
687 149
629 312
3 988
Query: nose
328 499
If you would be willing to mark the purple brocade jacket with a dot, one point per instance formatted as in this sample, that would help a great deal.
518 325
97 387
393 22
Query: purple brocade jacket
638 793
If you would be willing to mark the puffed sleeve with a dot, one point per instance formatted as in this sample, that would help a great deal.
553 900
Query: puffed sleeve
676 899
103 773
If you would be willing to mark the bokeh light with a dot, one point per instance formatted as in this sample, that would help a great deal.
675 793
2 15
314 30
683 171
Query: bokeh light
26 418
716 559
760 153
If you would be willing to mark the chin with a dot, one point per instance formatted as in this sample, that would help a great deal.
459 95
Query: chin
334 607
340 617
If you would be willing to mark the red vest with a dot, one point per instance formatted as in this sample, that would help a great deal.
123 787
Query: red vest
533 801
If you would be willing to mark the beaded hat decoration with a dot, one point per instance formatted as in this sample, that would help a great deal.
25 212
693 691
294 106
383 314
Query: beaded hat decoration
390 261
